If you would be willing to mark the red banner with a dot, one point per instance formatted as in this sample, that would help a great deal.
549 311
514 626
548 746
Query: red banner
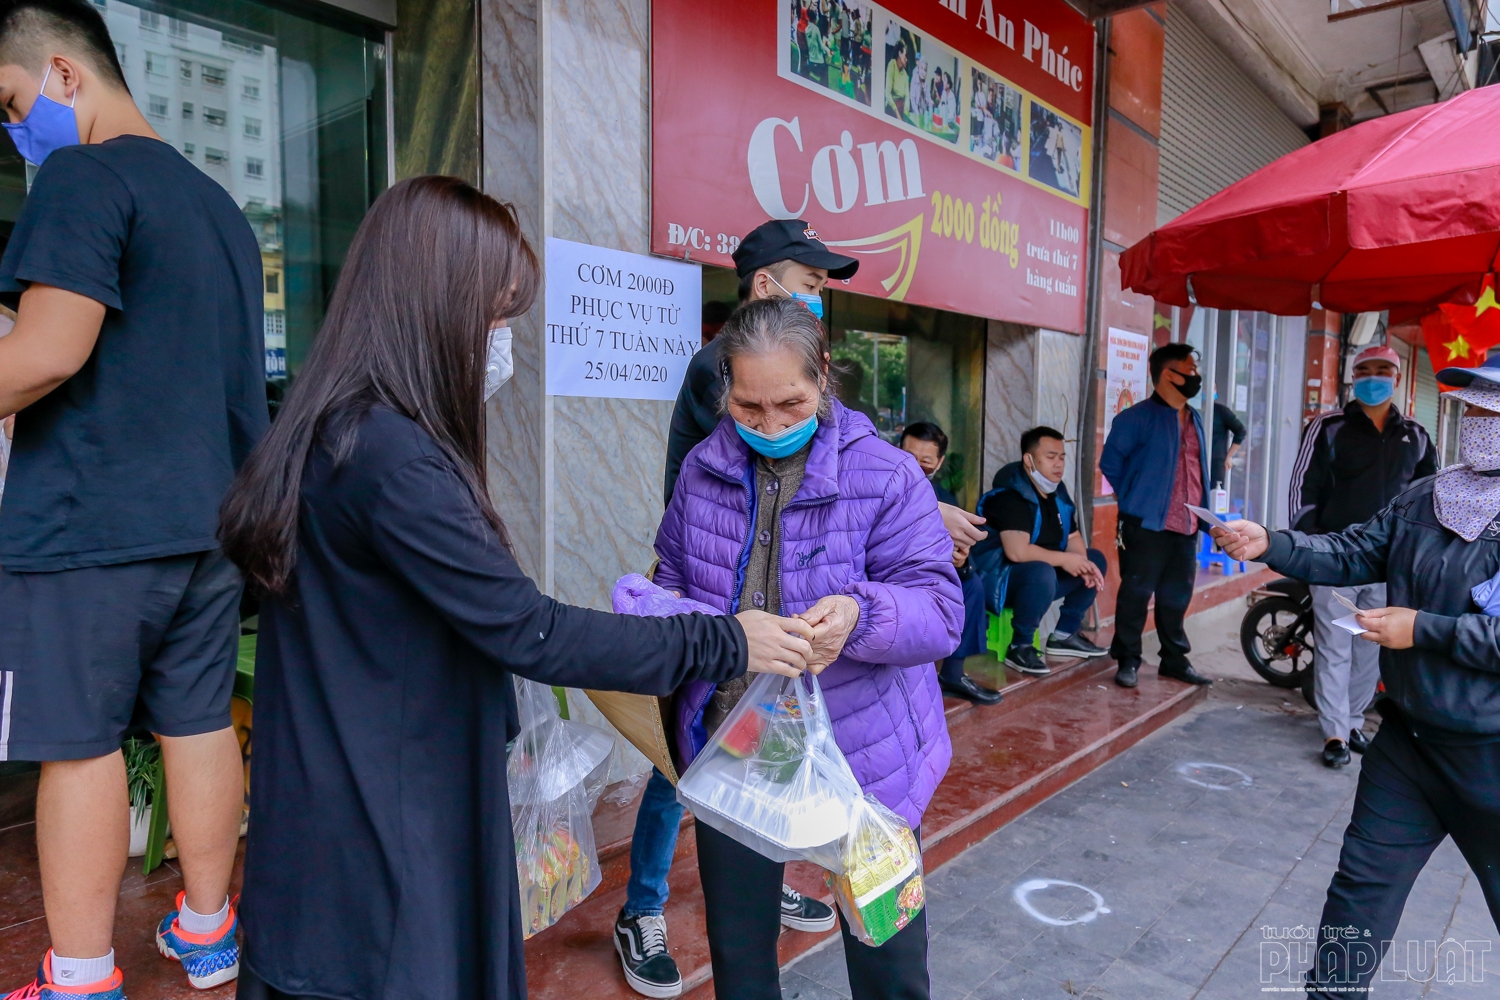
945 143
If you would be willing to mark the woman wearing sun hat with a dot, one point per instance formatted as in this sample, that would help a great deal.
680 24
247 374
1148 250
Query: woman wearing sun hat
1433 770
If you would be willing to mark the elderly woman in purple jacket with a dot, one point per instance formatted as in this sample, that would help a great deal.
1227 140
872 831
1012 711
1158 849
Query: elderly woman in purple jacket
795 504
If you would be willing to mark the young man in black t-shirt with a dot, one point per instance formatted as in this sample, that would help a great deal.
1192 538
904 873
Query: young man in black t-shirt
1045 555
136 375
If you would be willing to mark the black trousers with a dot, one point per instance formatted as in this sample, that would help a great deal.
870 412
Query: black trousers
1163 563
1412 793
742 904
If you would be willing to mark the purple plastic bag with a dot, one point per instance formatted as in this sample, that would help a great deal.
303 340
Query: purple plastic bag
636 595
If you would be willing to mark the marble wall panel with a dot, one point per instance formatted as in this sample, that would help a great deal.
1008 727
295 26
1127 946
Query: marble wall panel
1010 389
607 501
1059 356
512 172
607 453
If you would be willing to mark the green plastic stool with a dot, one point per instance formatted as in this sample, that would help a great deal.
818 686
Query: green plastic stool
1001 633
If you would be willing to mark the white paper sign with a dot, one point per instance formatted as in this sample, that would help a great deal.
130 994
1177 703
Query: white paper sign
619 324
1127 378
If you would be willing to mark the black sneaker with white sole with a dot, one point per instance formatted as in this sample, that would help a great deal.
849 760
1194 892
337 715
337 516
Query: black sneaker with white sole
801 913
641 943
1074 645
1026 659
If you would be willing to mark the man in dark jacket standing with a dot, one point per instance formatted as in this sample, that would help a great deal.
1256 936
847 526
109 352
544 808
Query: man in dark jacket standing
1156 458
1433 769
1351 464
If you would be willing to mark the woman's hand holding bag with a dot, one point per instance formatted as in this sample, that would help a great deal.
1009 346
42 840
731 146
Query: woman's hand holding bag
778 645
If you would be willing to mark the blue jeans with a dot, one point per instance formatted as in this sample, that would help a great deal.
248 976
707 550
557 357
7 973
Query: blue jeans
651 848
976 623
1034 586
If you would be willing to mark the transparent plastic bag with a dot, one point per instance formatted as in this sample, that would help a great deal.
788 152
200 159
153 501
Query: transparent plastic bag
772 777
879 883
556 771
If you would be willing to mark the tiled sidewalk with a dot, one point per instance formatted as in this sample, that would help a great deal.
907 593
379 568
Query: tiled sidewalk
1194 880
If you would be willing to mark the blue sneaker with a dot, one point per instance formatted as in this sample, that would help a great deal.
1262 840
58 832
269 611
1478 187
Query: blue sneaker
43 988
208 959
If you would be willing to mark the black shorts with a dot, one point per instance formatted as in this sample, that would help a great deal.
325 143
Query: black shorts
86 653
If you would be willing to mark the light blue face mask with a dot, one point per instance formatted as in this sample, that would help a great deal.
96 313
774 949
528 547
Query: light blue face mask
47 127
782 443
1372 390
813 302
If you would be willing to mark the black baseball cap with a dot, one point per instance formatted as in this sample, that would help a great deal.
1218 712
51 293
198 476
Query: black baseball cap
789 239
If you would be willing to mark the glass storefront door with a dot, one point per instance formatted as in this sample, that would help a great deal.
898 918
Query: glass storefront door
285 111
1238 353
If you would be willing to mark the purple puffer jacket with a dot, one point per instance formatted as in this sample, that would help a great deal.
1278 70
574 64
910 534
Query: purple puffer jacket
864 524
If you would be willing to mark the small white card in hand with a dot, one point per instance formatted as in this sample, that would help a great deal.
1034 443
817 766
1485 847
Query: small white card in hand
1350 624
1346 602
1208 516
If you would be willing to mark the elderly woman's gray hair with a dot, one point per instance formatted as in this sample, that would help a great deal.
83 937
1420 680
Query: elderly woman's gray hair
769 326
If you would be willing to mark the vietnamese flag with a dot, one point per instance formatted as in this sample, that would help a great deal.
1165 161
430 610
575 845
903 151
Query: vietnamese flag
1460 336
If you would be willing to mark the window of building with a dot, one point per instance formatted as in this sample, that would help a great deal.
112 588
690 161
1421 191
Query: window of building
156 64
318 89
273 283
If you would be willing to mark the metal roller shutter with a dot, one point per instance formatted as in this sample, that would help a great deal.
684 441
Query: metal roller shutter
1216 125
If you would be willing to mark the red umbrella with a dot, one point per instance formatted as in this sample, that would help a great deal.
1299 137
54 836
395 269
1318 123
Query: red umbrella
1401 212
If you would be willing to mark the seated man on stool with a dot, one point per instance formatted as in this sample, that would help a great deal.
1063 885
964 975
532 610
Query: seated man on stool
926 442
1040 555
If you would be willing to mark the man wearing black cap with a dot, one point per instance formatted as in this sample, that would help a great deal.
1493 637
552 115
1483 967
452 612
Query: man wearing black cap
1431 771
783 258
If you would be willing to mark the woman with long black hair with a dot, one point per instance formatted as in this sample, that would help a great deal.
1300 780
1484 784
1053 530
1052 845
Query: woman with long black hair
380 862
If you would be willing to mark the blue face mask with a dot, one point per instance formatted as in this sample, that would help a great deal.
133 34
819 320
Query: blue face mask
47 127
782 443
1372 390
813 302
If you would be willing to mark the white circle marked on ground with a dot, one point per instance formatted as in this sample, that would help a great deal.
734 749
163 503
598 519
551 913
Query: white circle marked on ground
1219 777
1022 896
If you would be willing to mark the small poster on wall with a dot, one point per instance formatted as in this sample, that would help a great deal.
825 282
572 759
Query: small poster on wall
1127 379
619 324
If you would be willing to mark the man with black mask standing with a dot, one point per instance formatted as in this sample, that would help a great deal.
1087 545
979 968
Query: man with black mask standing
1156 458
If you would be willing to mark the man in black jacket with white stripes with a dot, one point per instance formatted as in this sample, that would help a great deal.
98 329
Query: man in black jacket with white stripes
1351 464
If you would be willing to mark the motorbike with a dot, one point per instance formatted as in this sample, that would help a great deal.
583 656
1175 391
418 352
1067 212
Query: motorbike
1276 635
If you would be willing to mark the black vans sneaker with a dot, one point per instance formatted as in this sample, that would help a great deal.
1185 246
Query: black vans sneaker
1026 659
642 945
803 914
1074 645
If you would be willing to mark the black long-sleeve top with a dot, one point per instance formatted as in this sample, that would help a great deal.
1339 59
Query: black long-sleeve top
380 861
1447 684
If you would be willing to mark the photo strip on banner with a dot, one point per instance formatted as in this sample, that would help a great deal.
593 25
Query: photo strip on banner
865 57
